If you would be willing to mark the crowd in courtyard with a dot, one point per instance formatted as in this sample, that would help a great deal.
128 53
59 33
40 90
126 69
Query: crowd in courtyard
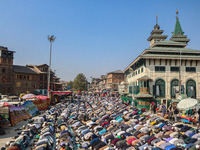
105 123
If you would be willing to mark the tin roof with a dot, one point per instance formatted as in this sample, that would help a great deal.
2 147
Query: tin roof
23 69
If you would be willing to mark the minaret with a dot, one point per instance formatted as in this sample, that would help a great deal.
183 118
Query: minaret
156 34
178 34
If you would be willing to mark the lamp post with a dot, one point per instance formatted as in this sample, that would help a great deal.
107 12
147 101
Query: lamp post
54 80
50 39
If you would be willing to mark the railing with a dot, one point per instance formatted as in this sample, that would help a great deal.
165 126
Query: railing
144 90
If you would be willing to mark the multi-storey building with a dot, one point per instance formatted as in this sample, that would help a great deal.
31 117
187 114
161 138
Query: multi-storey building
25 80
42 71
6 73
114 79
57 85
102 83
95 84
167 70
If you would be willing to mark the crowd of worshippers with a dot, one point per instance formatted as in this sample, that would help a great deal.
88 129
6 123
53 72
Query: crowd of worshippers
172 112
39 133
126 128
98 123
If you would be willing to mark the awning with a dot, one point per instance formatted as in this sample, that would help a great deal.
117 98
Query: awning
144 78
140 95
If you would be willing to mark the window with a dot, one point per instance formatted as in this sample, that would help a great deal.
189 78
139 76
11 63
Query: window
174 69
41 78
159 68
141 70
8 89
29 84
4 54
130 89
136 73
3 70
20 76
160 61
4 79
149 61
9 53
159 88
191 88
24 76
18 84
8 79
4 60
190 62
154 61
170 61
196 62
175 62
41 87
174 88
9 70
9 61
185 62
32 77
165 62
190 69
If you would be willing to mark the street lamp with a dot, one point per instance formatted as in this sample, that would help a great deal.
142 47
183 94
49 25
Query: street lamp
50 39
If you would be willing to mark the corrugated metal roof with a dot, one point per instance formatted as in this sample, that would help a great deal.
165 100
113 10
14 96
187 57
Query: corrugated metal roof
173 49
159 55
144 78
23 69
117 71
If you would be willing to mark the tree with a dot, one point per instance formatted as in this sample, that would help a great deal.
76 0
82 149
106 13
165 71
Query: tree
80 82
70 84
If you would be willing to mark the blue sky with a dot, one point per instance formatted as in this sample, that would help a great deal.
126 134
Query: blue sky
92 36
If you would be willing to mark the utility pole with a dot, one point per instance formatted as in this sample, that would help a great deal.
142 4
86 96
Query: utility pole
50 39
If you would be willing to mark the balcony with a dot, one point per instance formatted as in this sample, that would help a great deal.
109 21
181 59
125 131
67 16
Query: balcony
144 90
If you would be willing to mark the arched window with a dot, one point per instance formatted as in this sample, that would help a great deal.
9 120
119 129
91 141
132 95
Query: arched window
174 88
191 88
160 88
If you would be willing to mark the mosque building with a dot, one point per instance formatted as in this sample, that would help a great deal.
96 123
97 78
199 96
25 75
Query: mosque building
166 71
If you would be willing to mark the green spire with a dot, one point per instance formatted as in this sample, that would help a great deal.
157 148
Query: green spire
177 29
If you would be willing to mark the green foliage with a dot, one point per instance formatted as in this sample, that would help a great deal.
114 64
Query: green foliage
70 84
80 82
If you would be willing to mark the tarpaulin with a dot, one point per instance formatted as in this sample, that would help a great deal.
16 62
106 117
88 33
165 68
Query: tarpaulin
17 114
30 107
4 120
62 92
41 104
